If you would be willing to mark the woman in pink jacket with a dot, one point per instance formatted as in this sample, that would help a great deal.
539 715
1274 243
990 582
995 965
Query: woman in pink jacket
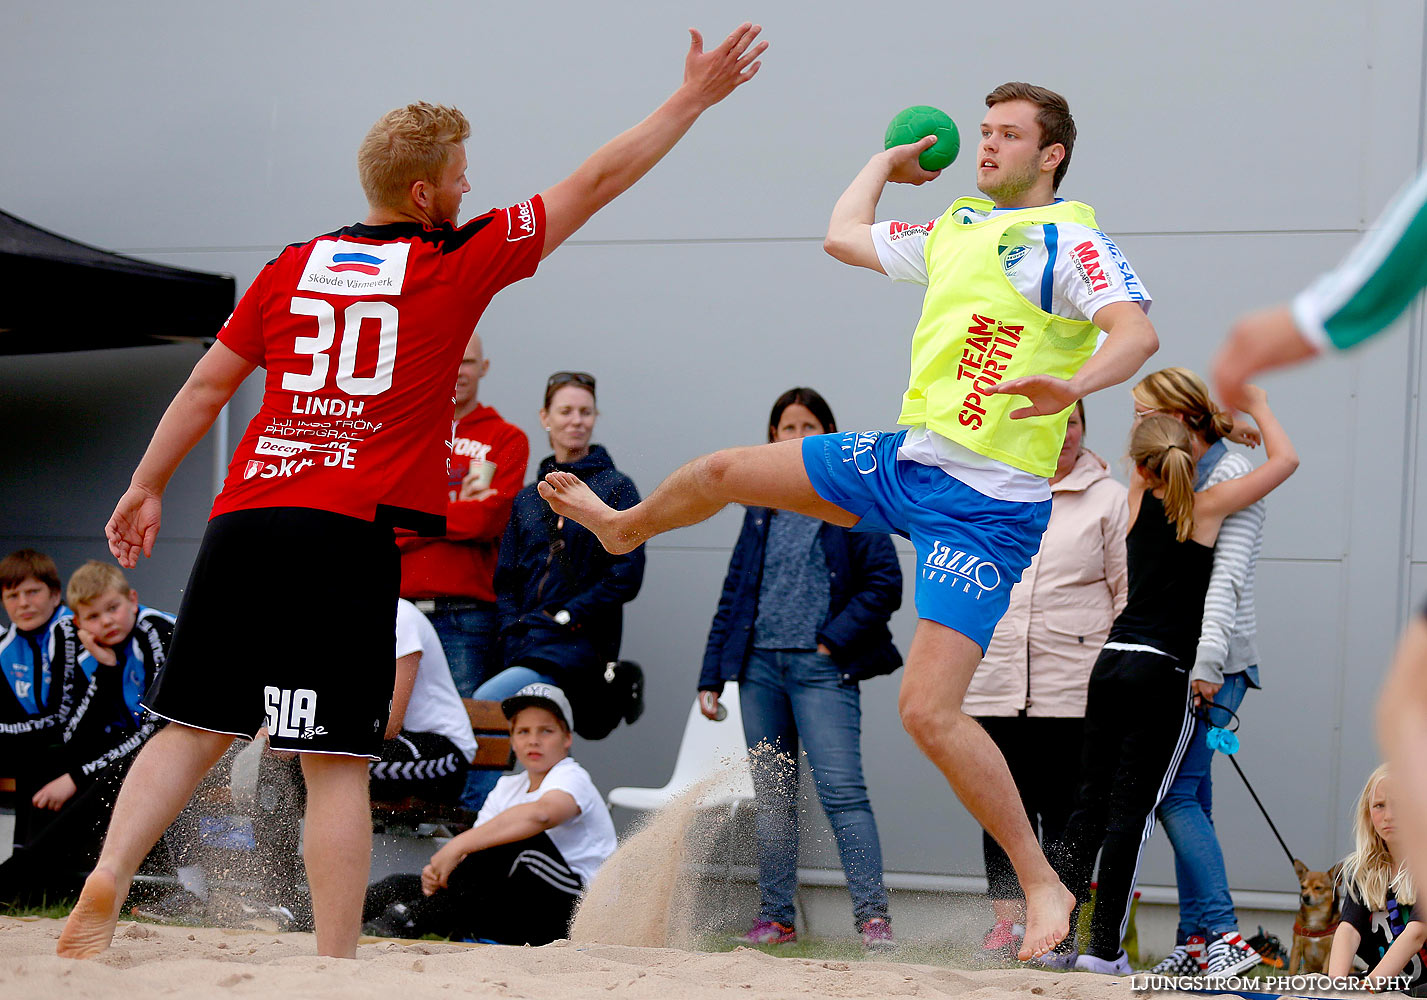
1029 691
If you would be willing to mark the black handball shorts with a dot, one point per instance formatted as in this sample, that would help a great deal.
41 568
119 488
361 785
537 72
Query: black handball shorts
288 622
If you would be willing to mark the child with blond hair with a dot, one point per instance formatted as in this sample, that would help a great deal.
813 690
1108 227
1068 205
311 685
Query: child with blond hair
105 656
1380 922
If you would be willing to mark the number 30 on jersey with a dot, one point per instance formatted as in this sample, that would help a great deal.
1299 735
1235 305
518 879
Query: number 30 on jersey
346 333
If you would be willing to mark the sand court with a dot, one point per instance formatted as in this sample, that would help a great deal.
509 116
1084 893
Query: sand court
160 961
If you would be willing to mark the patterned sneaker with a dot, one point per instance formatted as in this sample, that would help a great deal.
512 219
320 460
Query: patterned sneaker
1002 942
1118 966
877 935
1186 959
772 932
1230 955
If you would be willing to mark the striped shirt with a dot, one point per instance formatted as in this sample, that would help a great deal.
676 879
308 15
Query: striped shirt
1375 282
1228 636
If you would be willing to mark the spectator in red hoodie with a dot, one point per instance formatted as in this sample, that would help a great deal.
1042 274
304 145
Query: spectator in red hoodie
449 578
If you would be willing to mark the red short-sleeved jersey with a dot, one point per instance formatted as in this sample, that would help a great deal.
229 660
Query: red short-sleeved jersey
361 332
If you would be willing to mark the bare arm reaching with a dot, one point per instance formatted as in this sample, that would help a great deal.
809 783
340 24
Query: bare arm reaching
709 77
849 231
1129 343
1280 462
135 522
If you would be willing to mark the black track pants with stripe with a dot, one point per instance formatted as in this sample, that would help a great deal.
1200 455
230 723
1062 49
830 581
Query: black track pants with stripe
1137 728
426 765
520 893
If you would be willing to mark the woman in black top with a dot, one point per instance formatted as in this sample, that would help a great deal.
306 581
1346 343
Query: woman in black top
1138 717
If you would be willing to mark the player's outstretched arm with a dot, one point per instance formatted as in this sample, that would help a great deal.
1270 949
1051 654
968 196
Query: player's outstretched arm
1129 342
135 522
709 77
849 231
1258 342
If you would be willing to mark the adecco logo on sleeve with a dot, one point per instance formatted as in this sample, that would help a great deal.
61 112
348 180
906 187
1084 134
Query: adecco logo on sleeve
519 222
340 267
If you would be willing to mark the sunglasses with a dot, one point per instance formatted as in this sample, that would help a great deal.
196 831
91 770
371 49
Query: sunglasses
570 378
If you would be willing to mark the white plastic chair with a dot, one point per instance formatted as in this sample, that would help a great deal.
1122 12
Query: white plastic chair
708 748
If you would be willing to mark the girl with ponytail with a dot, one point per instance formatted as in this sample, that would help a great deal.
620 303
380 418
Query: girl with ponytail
1226 665
1139 715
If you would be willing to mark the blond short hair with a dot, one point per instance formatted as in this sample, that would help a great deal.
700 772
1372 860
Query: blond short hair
93 580
406 145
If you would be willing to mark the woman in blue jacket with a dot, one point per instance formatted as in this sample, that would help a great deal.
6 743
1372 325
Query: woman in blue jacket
803 618
561 595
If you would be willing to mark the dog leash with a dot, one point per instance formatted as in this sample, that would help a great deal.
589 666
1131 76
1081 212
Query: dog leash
1226 742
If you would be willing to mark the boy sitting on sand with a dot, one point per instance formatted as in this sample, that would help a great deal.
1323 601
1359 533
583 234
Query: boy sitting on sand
517 875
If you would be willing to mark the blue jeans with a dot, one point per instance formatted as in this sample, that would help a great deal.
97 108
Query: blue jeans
1205 906
785 694
500 687
468 632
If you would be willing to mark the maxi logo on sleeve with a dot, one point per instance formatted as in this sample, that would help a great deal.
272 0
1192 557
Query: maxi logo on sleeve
341 267
984 360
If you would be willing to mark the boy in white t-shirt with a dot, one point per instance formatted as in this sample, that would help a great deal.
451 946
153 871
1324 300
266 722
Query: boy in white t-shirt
517 875
428 744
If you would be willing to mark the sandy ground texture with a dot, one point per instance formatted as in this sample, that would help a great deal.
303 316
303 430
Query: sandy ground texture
158 961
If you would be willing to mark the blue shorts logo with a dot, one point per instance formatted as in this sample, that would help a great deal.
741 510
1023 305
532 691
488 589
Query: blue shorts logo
857 449
960 567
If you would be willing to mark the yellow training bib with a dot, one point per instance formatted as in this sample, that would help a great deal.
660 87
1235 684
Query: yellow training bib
978 330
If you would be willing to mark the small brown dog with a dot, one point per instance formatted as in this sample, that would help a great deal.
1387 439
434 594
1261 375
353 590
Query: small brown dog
1317 919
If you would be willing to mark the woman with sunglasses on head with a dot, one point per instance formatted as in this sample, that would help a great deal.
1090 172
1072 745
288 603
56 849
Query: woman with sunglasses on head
1207 939
801 620
561 595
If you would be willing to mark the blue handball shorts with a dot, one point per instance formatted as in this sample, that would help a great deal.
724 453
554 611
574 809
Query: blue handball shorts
970 548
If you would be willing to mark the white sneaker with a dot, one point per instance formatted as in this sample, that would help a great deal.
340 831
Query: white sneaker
1230 955
1118 966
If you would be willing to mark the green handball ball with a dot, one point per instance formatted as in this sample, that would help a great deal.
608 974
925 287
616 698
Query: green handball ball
920 121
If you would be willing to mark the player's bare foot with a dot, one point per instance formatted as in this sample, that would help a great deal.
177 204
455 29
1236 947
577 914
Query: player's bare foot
569 497
1048 909
90 926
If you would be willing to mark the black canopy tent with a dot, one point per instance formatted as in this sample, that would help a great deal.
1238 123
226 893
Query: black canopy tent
66 296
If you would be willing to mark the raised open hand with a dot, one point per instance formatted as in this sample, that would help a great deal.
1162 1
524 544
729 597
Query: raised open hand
711 76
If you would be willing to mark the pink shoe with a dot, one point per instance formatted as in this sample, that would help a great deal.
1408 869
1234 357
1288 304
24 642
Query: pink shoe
772 932
1002 943
877 935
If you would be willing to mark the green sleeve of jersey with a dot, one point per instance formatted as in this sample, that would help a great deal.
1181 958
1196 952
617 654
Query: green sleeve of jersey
1376 281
